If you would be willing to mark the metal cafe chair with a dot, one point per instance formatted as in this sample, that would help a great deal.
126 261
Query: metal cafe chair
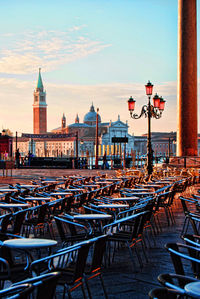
12 268
128 231
38 220
178 257
70 232
175 281
94 270
191 217
70 262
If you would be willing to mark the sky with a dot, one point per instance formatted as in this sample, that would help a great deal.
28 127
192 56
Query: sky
100 51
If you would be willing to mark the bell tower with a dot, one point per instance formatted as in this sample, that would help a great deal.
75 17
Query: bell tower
63 121
39 108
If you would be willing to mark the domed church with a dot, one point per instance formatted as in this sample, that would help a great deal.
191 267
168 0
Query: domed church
86 132
91 117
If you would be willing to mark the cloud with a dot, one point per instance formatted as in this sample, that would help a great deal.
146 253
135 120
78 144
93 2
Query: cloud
111 99
47 49
77 28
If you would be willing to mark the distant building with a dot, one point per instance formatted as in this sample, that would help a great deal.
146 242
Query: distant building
162 142
6 147
46 145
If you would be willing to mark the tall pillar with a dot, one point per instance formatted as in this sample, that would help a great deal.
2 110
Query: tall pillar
187 79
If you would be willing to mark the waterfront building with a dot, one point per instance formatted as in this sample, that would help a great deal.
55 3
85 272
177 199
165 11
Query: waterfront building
163 144
46 145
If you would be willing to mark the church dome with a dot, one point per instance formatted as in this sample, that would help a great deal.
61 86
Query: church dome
90 117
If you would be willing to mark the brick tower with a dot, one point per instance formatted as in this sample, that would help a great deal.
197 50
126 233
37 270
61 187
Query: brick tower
39 108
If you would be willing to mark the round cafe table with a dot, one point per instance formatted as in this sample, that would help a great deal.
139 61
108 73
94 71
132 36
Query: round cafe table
193 289
91 216
9 190
130 198
28 243
60 193
29 186
112 206
14 205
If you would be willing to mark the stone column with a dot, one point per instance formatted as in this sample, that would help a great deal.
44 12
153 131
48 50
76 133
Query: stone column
187 79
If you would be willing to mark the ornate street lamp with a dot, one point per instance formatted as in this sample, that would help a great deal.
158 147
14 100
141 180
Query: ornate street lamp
148 111
97 140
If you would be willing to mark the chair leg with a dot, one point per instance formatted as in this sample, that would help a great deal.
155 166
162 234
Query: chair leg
83 291
87 286
138 257
144 252
103 286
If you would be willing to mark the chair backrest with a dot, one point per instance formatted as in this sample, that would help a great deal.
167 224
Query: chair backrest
185 203
61 259
68 228
5 221
42 212
170 280
98 252
193 240
21 291
45 284
136 218
18 218
177 256
5 273
164 293
81 260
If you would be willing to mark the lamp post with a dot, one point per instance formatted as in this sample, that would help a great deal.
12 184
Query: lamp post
169 147
148 111
76 164
97 140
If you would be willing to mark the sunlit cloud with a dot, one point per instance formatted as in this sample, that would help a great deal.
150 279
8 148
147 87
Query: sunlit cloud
47 49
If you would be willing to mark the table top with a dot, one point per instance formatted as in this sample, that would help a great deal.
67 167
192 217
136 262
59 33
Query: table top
103 182
193 289
50 182
91 185
76 177
124 198
112 206
61 193
38 198
28 243
141 190
30 186
165 182
14 205
74 190
142 193
91 216
8 190
152 186
114 179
